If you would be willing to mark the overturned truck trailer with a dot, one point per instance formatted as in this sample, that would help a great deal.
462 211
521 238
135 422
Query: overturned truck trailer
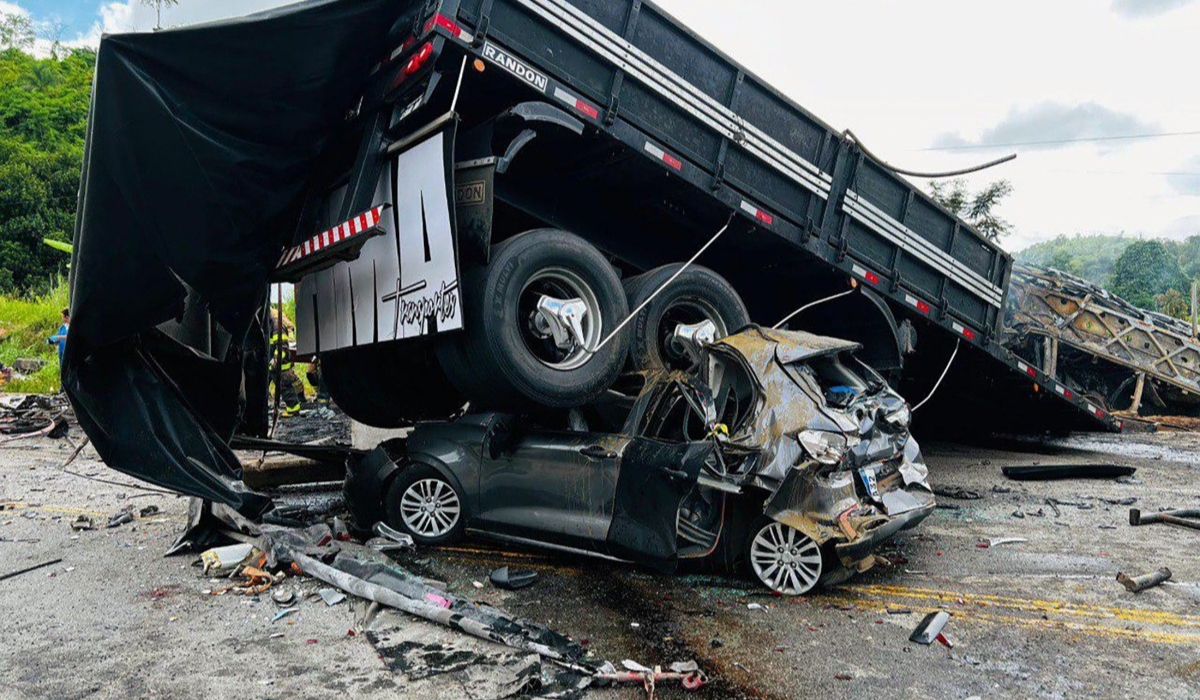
471 198
1123 357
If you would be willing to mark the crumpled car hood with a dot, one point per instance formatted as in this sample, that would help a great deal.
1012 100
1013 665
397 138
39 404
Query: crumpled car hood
819 499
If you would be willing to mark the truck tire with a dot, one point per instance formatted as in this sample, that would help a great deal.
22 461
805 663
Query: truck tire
390 385
698 295
506 358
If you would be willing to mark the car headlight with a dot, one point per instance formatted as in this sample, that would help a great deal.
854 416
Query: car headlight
824 447
900 420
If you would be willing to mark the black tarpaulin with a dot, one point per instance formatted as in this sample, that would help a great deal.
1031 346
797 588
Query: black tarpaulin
200 144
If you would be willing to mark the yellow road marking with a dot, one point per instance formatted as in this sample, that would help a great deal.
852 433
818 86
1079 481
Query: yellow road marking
1035 605
1081 619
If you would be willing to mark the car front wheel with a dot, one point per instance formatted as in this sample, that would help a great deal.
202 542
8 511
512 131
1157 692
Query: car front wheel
783 558
424 504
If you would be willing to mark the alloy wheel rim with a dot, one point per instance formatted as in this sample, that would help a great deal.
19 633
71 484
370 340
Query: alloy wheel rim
430 508
564 285
785 559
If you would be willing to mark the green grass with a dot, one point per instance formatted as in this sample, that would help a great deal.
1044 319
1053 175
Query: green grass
25 324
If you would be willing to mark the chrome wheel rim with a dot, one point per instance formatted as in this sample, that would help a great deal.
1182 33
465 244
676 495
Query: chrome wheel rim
564 285
430 508
685 313
785 559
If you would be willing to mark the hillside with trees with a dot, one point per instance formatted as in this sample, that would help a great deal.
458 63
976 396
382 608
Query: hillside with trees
43 112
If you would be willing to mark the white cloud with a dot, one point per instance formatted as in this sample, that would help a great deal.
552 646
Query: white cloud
1147 8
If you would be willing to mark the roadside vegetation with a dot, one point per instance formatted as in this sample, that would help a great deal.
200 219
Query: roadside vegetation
26 321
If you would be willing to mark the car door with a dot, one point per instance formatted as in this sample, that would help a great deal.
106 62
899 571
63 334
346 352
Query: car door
551 486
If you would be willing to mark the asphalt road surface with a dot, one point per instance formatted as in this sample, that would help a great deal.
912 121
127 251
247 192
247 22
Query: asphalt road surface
1043 618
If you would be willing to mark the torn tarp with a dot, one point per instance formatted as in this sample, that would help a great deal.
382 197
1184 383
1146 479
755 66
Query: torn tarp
201 144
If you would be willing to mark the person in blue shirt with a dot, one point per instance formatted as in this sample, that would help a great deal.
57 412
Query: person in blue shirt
61 336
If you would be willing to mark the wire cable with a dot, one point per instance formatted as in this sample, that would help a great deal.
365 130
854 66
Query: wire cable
848 134
633 314
957 345
806 307
1061 142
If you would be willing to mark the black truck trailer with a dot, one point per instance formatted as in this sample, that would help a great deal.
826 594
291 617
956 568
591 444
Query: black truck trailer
613 123
489 200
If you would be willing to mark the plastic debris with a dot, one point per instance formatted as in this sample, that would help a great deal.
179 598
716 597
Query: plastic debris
331 596
82 523
226 558
930 628
284 613
513 580
283 597
148 511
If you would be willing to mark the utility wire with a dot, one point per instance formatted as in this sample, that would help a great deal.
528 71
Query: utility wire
1057 142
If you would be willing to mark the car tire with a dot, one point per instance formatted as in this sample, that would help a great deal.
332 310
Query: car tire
699 294
502 360
390 385
782 558
426 505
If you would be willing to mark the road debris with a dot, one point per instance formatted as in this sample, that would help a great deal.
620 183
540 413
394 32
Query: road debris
331 597
43 565
283 597
688 675
83 523
1137 584
930 628
1052 472
510 580
957 493
121 517
225 559
1184 518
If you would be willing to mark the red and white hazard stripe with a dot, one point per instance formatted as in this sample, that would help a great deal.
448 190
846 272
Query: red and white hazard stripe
671 161
918 304
1027 369
347 229
1095 411
757 213
1064 391
870 277
449 25
963 331
577 103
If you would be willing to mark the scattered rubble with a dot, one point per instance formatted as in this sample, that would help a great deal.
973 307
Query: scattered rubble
1137 584
1184 518
1056 472
930 628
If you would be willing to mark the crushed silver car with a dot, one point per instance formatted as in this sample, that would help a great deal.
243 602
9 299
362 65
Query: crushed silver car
780 454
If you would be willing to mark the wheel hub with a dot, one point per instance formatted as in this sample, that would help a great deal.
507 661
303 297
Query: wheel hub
562 320
785 560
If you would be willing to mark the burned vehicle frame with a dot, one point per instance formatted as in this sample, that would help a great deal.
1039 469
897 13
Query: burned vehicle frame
781 455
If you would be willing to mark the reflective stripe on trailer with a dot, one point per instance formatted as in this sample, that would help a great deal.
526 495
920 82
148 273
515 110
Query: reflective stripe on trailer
1064 391
963 331
1027 369
449 25
577 103
918 304
868 276
662 155
343 231
757 213
1098 413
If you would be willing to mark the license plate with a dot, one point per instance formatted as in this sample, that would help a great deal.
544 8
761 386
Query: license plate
870 479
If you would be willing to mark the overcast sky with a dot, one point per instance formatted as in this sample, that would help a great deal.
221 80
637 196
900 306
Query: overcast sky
933 84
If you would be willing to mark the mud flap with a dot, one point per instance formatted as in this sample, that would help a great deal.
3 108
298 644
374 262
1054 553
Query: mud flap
655 477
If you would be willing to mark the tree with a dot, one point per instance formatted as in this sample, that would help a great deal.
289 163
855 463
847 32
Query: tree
43 119
158 8
978 209
1144 271
1173 303
1062 260
16 32
1189 257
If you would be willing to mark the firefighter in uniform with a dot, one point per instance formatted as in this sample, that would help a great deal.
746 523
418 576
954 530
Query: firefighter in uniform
289 388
